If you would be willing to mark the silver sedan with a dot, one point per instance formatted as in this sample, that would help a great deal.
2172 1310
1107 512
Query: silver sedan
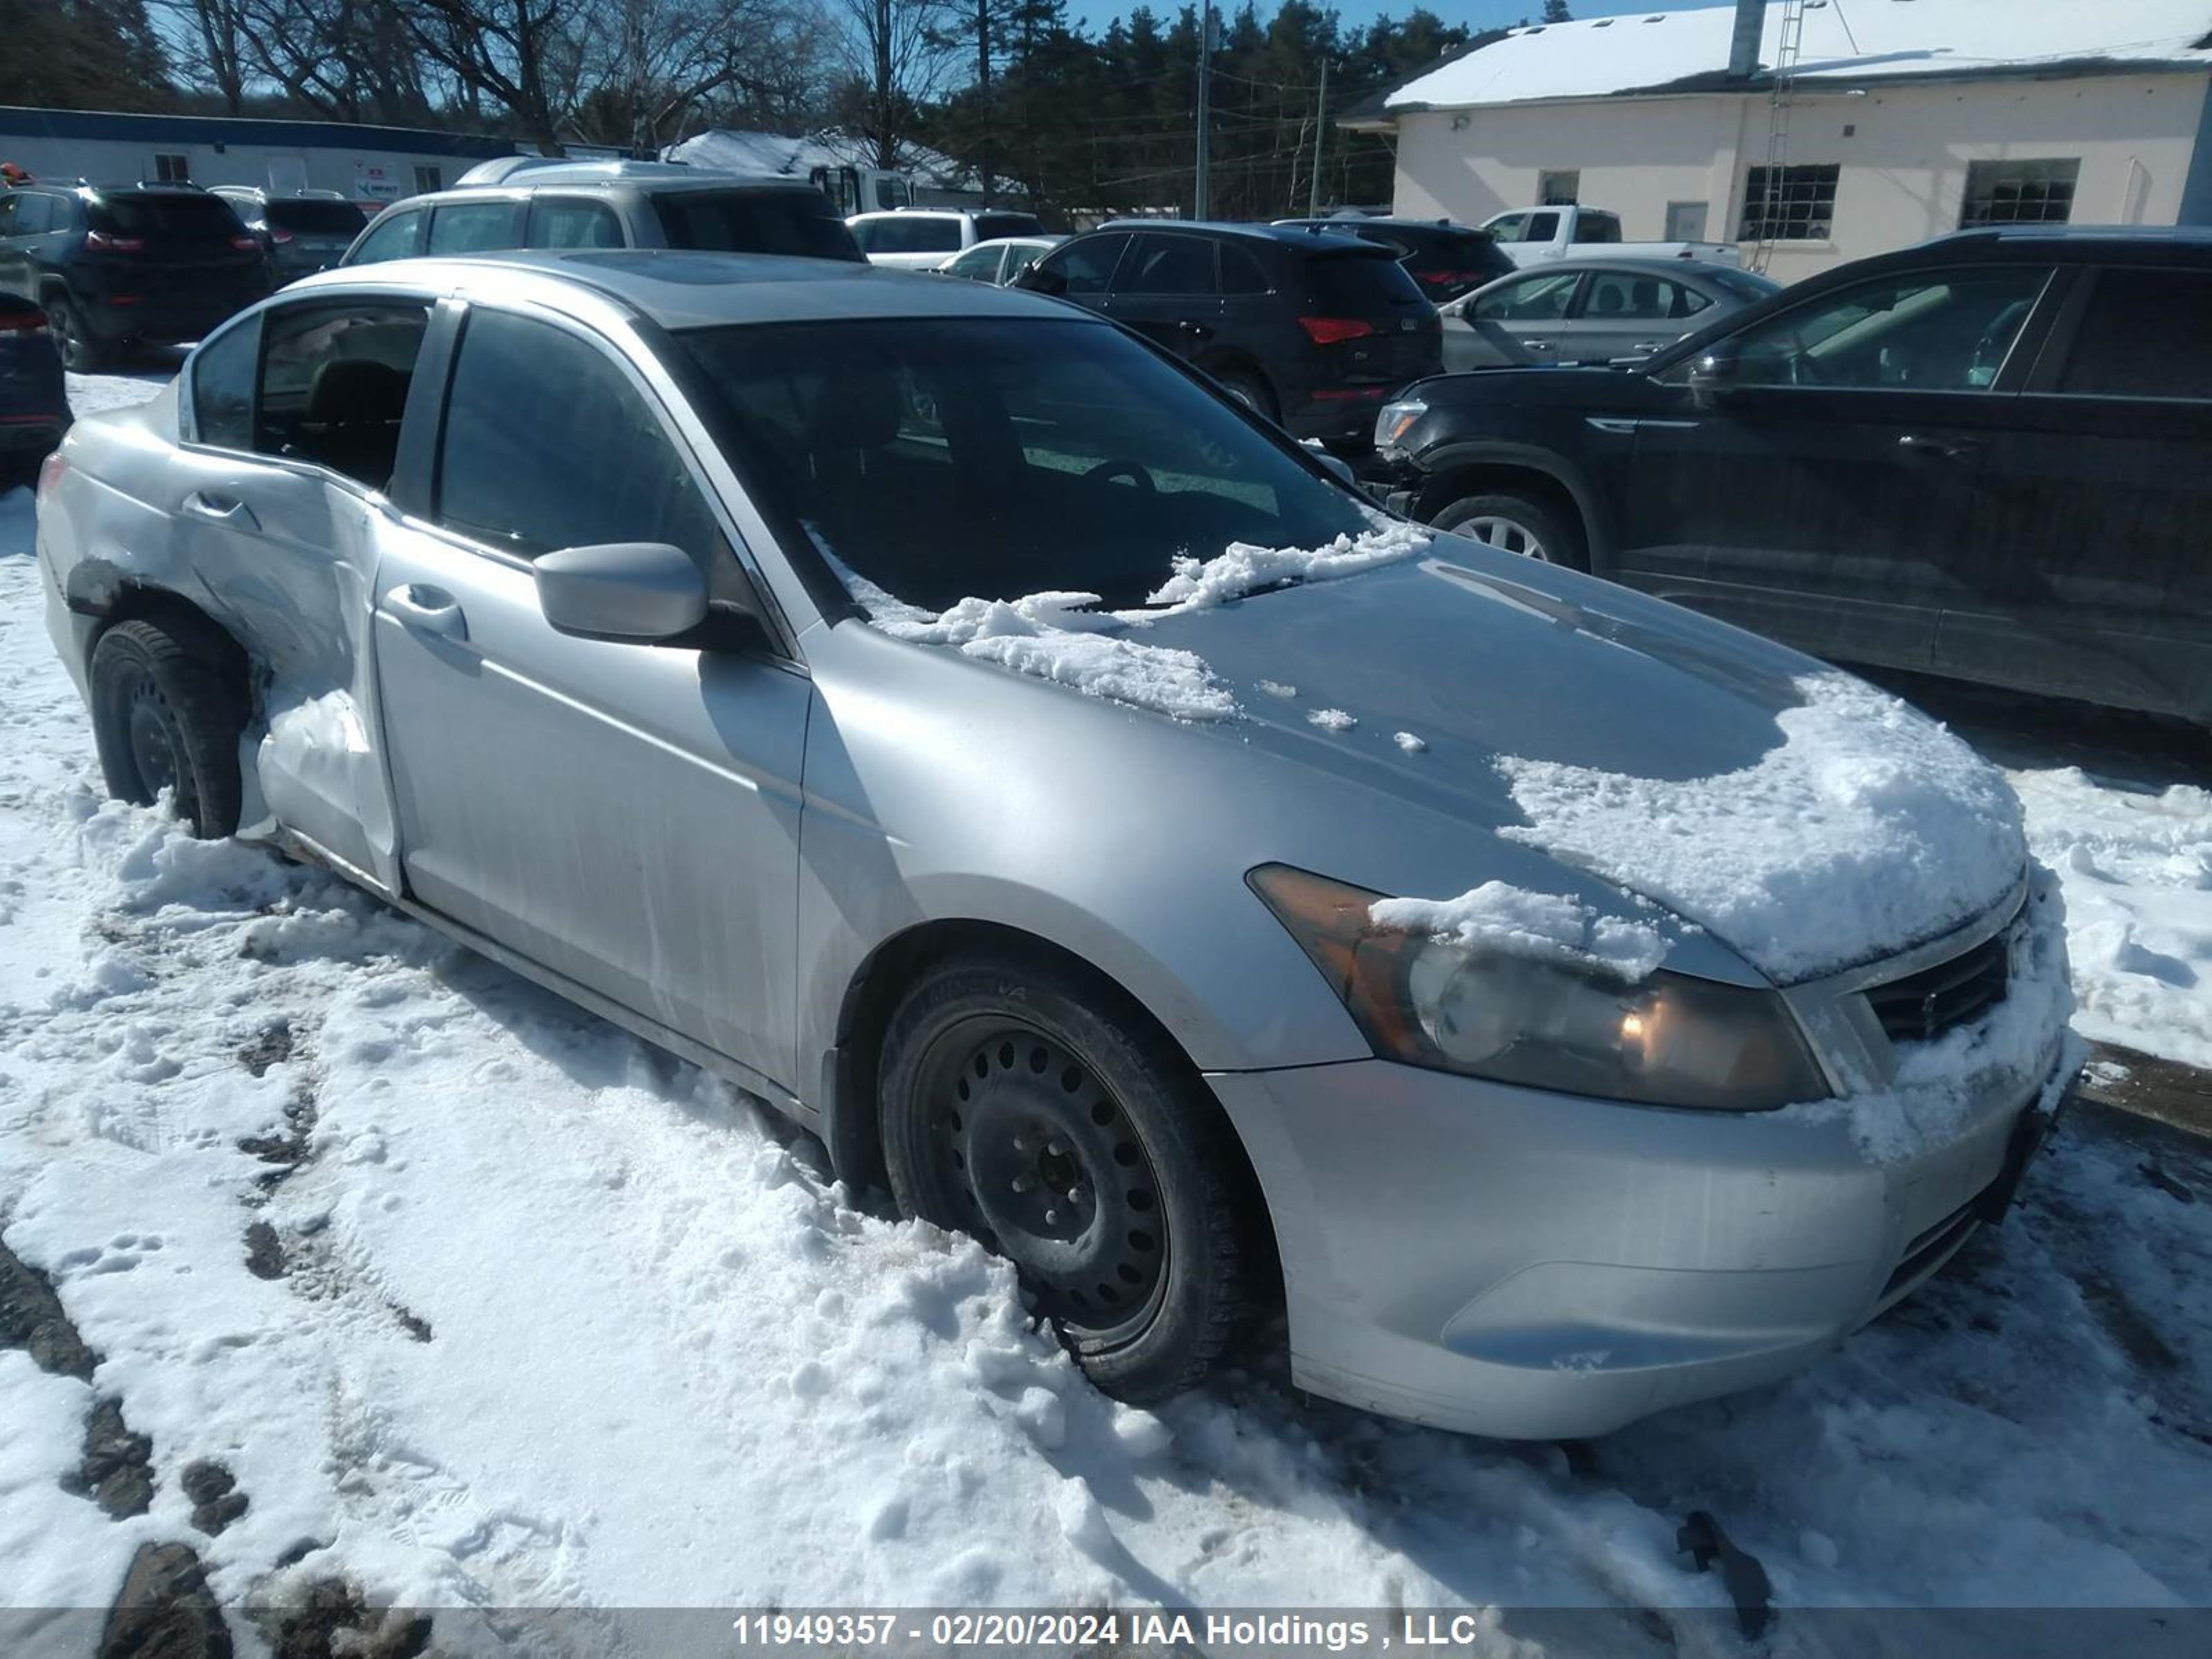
980 739
1592 310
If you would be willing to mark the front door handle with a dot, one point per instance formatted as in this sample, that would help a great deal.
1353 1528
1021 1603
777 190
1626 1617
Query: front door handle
223 509
1537 345
423 610
1196 330
1647 345
1945 449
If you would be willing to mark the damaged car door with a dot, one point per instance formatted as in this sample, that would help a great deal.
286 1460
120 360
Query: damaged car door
619 809
277 497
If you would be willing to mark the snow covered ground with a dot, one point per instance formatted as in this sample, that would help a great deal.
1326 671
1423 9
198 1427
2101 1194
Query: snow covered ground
483 1303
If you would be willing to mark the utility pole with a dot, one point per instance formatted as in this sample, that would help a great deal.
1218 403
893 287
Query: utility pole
1204 99
1320 126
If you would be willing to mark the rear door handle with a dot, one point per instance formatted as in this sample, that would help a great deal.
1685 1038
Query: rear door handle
1946 449
223 509
423 610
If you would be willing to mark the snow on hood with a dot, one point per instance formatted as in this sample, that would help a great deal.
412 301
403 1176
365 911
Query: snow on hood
1542 927
1242 568
1868 828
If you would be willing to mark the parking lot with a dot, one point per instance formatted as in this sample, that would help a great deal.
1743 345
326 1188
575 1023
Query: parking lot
475 1300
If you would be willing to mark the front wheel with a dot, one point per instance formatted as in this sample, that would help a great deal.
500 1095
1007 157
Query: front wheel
167 707
1020 1106
1515 523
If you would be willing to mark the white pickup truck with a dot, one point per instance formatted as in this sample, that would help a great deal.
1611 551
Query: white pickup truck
1531 236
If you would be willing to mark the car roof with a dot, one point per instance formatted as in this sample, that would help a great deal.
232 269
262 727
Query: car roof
2084 240
682 289
1278 236
1352 224
677 181
941 213
1655 265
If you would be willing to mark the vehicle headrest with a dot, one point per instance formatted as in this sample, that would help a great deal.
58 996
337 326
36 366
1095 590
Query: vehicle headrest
1608 300
858 409
348 390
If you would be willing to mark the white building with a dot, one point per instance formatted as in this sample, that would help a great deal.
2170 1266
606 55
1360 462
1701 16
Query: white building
372 166
1898 120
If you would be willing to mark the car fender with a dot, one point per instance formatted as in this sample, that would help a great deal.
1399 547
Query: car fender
1447 458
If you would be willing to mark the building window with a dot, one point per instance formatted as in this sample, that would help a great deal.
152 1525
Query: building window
1685 221
1561 189
1798 206
427 180
172 169
2019 193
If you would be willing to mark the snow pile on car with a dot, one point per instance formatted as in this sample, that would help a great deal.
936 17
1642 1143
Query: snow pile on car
1868 828
1242 568
1544 927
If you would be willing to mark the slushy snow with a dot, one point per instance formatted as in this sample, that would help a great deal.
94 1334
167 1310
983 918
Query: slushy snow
1538 926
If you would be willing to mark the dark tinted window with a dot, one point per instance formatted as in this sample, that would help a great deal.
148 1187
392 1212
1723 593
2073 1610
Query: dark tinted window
1596 227
334 380
1543 297
939 459
1358 284
34 214
798 223
2146 334
313 218
223 387
564 221
1937 331
1168 265
1240 272
1540 228
1452 258
1744 284
908 233
187 217
989 226
394 236
1086 263
472 227
547 444
1621 297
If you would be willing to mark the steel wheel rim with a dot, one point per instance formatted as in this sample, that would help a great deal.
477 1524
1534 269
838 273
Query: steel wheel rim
1507 535
152 734
1017 1122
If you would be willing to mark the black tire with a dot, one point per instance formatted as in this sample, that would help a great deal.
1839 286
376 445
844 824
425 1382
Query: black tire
169 704
80 353
1250 389
998 1072
1516 524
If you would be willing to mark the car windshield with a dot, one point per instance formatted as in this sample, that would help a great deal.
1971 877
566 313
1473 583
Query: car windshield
316 218
943 459
799 222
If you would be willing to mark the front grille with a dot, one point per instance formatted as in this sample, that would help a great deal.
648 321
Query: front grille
1922 1006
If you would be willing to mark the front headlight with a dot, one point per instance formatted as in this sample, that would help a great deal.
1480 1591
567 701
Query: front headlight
1392 419
1665 1040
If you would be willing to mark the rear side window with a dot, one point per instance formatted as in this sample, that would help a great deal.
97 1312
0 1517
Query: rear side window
1358 285
312 218
395 236
472 227
1240 272
908 233
183 217
1169 264
1466 256
558 222
990 227
223 387
1596 228
1540 228
547 444
800 223
2146 334
1630 298
334 382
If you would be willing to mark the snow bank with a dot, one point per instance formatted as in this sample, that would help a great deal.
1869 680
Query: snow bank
1868 829
1545 926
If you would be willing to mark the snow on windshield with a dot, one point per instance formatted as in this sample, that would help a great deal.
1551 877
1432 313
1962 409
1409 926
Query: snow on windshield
1869 826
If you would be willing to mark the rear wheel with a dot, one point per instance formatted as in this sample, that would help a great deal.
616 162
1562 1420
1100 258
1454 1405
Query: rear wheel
168 704
1018 1106
1250 389
79 350
1515 523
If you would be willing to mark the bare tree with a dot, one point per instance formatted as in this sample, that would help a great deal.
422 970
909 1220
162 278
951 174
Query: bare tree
898 56
649 64
525 55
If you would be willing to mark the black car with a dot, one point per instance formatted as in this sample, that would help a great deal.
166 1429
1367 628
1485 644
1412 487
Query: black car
148 264
1315 332
301 233
33 396
1989 457
1446 259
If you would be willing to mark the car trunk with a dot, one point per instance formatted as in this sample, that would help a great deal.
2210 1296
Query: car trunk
187 232
1369 325
321 228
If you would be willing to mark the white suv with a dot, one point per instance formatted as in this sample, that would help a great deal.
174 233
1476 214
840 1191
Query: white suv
922 238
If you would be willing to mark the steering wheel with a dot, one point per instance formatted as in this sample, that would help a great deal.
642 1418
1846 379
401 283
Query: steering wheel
1121 467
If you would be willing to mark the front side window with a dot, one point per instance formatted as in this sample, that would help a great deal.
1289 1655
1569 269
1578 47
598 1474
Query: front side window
1789 204
1509 229
2146 334
547 444
1541 299
559 222
1169 264
1939 330
395 236
2019 193
334 381
472 227
223 387
1086 265
935 461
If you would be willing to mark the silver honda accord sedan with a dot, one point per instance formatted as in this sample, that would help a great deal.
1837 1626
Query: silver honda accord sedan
939 712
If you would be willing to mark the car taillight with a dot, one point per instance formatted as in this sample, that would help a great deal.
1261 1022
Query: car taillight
1329 331
50 474
23 322
246 244
101 242
280 235
1446 278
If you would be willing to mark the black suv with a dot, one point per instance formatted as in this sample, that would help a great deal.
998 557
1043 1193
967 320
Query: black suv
1989 457
1315 332
301 233
147 264
1446 259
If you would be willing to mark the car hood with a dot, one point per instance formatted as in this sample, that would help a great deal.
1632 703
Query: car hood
1807 820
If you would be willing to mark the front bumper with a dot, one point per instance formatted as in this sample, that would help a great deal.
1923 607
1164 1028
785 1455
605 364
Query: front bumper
1508 1262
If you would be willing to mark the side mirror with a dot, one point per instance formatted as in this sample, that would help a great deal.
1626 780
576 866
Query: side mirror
1042 279
639 591
1716 375
1333 462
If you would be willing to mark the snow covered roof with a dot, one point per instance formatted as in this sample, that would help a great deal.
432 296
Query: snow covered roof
773 152
1867 40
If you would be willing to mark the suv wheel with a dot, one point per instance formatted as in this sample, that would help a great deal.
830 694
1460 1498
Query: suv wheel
1515 523
1017 1110
167 707
79 351
1251 391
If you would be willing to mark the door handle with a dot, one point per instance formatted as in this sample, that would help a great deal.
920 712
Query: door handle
423 610
1647 345
1537 345
1946 449
223 509
1196 330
